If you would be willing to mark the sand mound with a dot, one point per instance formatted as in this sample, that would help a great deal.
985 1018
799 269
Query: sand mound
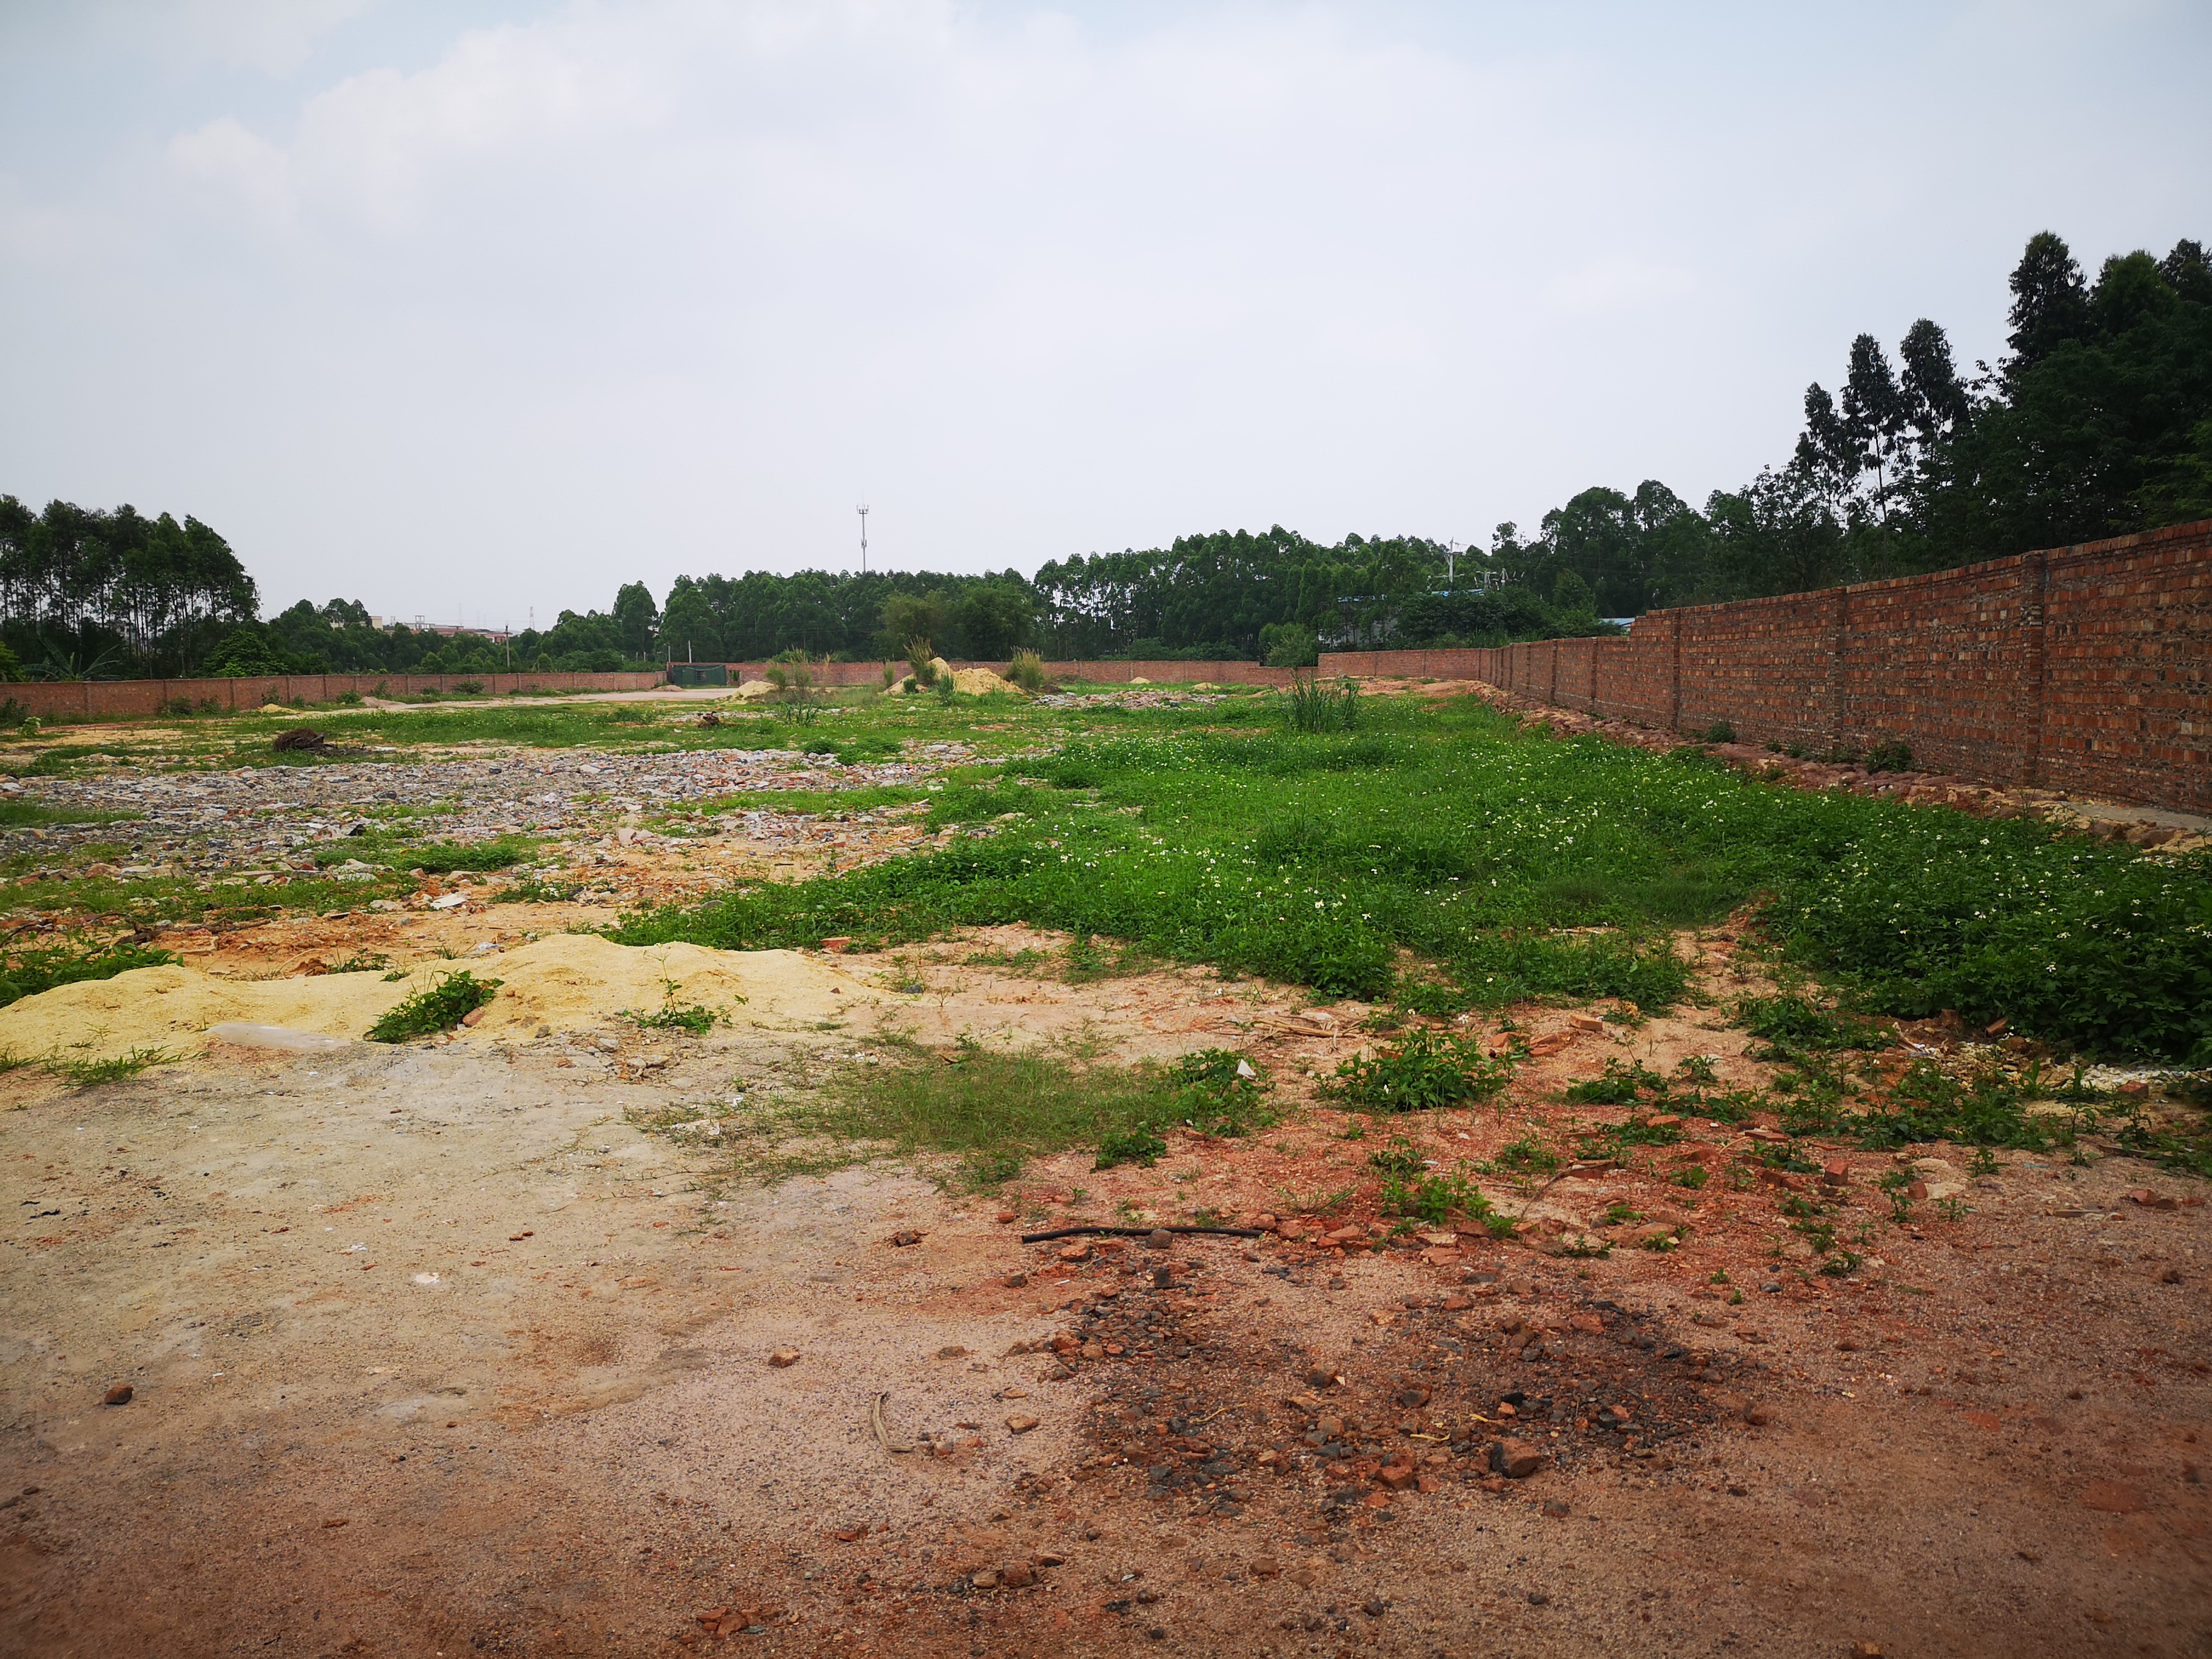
754 689
980 682
571 982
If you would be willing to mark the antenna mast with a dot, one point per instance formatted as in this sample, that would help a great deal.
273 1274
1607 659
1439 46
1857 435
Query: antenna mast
863 511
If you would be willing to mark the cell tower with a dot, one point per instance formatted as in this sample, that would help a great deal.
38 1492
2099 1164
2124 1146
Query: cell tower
863 511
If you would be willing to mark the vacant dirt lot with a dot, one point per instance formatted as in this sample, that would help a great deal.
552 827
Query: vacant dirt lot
434 1351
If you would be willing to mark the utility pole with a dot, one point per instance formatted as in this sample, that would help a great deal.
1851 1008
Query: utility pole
863 511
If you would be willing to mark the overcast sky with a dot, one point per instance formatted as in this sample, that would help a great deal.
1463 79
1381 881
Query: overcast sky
465 306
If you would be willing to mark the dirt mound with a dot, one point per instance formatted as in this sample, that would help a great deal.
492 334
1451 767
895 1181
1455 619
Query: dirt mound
754 689
979 682
571 982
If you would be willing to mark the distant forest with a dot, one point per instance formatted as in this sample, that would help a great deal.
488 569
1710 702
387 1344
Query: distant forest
2097 422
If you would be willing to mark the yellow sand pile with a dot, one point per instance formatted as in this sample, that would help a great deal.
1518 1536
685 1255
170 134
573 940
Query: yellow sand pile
754 689
980 682
571 982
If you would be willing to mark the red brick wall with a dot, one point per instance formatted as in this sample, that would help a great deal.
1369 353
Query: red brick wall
94 699
2087 669
2127 669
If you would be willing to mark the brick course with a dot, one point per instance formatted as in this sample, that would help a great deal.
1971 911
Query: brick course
2086 669
91 699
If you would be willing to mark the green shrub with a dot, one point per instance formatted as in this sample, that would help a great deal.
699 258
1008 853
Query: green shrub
1027 672
438 1007
1619 1086
1140 1144
1425 1072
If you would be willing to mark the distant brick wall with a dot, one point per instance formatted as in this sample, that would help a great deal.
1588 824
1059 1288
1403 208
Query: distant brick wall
2087 669
94 699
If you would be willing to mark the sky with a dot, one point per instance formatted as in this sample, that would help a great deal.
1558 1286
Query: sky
477 309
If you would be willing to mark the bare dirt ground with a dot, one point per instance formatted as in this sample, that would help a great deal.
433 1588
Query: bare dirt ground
450 1348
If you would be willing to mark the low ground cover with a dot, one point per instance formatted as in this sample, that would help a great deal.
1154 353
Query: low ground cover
1521 866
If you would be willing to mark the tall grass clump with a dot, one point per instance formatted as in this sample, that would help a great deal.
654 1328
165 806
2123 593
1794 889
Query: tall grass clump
1316 706
1027 672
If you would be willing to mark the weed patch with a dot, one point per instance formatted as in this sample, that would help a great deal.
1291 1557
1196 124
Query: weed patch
436 1008
33 970
1425 1073
91 1074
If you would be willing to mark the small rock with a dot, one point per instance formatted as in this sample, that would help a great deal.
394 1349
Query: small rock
1517 1460
118 1395
1538 1599
987 1579
783 1357
1159 1239
1005 1216
1015 1281
953 1352
1021 1424
1017 1575
1556 1511
905 1237
1865 1650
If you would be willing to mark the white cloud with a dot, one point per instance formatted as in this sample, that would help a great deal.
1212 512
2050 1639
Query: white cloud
612 290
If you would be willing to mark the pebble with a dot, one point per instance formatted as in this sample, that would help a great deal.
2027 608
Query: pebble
120 1394
782 1357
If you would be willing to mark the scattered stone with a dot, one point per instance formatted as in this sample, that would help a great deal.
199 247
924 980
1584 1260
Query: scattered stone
1021 1424
1017 1575
953 1352
782 1357
1159 1239
118 1395
905 1237
1016 1280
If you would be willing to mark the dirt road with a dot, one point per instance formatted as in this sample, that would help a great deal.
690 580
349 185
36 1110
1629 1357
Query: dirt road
432 1351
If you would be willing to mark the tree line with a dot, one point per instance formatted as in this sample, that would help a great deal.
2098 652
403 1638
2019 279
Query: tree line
86 593
2098 422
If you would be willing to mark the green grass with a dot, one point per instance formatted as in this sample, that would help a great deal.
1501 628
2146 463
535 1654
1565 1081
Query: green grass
26 971
435 857
867 797
21 814
1521 865
994 1110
